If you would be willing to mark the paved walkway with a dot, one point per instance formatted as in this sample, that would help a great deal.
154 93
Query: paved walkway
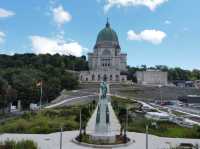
67 100
51 141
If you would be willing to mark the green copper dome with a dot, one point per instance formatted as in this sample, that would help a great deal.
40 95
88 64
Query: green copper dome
107 34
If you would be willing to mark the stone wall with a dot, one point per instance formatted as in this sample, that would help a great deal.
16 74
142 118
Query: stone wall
98 76
152 77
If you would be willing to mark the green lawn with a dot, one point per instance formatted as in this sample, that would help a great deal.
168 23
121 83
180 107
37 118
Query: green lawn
47 121
137 121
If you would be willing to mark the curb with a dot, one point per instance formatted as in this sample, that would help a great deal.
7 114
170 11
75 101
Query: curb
102 146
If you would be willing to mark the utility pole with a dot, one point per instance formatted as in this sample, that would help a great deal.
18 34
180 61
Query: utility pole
61 130
147 127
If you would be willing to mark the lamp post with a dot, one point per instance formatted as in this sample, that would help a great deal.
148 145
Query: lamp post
147 129
126 118
126 126
61 130
80 121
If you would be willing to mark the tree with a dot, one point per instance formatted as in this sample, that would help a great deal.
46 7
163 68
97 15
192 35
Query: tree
3 91
7 94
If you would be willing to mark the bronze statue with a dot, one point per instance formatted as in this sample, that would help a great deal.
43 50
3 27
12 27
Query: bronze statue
104 90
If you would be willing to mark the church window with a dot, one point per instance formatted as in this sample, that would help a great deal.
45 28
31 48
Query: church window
106 52
99 77
105 77
117 77
110 77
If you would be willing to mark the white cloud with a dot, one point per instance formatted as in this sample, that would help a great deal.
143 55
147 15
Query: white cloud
61 16
43 45
151 4
153 36
6 13
2 37
167 22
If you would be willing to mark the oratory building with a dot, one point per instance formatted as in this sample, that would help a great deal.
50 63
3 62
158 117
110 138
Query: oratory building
106 62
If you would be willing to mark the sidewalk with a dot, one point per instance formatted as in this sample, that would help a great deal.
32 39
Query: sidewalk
51 141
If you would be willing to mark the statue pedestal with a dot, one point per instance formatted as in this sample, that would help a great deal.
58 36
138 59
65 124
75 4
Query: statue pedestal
104 137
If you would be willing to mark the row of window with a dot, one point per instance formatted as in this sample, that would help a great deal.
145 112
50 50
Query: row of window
106 65
105 77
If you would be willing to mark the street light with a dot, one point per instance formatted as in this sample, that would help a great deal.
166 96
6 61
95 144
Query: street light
61 130
147 129
126 118
80 121
126 125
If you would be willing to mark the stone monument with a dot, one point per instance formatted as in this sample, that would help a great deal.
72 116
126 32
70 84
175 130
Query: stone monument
103 131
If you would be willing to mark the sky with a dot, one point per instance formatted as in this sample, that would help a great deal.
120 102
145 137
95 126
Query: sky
151 32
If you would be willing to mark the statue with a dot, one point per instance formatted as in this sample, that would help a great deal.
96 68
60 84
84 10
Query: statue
102 117
104 90
103 121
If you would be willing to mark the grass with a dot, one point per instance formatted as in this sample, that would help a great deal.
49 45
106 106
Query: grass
24 144
47 121
178 113
129 92
163 129
137 121
125 103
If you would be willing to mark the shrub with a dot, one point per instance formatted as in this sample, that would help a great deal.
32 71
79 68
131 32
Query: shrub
24 144
51 113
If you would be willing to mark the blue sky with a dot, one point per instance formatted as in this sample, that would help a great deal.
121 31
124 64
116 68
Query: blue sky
155 32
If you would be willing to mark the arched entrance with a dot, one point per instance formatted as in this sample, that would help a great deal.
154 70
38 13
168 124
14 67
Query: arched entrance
93 77
117 78
110 77
99 77
81 77
104 77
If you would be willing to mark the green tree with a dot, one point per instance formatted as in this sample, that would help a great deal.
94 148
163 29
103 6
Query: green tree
3 93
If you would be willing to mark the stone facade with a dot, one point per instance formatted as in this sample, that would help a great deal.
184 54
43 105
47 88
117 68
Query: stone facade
152 77
106 62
